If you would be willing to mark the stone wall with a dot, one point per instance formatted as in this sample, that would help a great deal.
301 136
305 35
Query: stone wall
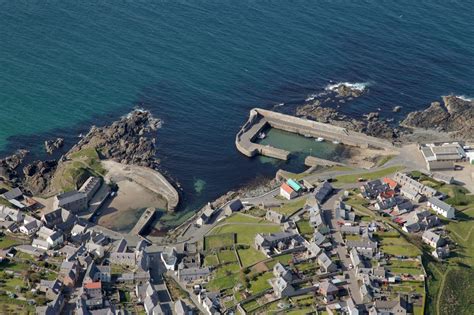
261 118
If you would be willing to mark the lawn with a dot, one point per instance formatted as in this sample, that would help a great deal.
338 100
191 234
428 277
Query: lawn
405 267
227 256
250 256
251 305
7 241
352 178
458 196
224 282
290 207
282 259
304 227
398 246
124 296
14 266
242 218
227 269
246 232
409 287
219 241
211 260
261 283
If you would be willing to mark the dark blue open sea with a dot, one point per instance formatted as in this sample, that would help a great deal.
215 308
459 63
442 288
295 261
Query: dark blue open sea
202 65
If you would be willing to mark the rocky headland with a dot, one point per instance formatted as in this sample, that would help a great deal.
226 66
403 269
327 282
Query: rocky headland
126 141
454 116
10 164
452 119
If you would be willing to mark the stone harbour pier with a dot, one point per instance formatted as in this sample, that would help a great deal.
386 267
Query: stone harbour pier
261 119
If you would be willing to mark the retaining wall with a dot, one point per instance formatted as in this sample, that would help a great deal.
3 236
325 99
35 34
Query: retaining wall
314 161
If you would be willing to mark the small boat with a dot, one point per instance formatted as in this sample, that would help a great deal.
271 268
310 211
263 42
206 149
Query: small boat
262 135
319 139
336 142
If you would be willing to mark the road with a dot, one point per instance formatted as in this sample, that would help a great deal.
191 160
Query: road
342 251
157 269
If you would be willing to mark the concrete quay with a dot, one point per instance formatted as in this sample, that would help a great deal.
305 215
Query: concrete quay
260 119
143 222
315 161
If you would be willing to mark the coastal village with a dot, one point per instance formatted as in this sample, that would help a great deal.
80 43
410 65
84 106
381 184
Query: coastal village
335 239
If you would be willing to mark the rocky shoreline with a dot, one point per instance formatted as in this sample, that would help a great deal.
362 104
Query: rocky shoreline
127 141
450 120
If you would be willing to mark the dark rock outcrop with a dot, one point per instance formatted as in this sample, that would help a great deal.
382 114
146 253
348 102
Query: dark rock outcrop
53 145
125 141
37 175
343 90
9 164
455 115
371 126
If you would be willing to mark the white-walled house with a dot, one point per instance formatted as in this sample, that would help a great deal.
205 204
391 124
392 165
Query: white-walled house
432 239
287 192
441 207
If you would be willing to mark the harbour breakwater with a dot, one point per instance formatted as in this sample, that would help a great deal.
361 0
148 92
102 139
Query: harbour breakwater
261 119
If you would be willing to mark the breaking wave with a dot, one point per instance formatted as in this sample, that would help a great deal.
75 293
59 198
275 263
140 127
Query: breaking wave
360 86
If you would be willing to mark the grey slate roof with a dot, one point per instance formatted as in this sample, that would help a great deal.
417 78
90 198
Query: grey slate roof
70 197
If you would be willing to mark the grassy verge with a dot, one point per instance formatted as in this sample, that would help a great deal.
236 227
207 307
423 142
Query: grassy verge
73 173
290 207
352 178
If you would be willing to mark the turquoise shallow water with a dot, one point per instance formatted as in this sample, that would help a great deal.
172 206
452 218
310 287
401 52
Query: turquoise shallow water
201 65
299 147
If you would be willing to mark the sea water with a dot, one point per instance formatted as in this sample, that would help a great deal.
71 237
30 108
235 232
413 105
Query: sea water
202 65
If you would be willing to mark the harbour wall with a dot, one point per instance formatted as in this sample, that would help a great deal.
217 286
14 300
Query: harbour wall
314 161
260 119
143 222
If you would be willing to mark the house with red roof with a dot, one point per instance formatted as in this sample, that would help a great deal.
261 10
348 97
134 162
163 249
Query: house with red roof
287 192
390 182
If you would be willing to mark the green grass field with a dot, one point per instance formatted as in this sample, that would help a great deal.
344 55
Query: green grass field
250 256
405 267
242 218
219 241
72 173
211 260
261 283
304 227
290 207
7 241
227 256
246 232
347 179
398 246
451 283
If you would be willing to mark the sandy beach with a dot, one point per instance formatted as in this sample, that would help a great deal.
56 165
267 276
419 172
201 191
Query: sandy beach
138 188
124 210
